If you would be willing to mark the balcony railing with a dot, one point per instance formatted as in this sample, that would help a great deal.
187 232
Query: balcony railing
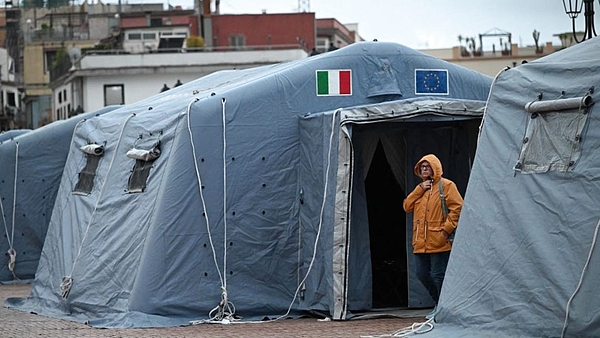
62 67
73 33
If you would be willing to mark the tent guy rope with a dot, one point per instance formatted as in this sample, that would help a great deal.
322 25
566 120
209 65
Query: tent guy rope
11 238
225 310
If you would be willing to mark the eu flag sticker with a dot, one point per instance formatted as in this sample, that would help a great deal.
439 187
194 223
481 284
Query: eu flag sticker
431 81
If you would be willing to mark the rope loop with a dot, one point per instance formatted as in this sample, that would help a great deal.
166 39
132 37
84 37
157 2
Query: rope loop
13 259
65 286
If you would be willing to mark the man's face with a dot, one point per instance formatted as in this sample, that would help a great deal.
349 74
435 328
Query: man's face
425 169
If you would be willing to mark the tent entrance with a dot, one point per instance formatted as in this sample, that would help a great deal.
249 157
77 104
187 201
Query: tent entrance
387 224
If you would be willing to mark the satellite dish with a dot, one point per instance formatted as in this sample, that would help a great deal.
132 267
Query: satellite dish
74 54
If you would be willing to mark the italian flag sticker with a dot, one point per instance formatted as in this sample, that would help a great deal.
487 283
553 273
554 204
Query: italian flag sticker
336 82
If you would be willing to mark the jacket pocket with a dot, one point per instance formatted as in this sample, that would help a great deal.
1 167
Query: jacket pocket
436 238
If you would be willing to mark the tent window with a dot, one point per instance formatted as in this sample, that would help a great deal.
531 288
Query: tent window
553 136
85 184
141 170
139 176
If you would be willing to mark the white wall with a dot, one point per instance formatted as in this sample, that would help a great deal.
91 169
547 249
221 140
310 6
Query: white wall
62 102
136 87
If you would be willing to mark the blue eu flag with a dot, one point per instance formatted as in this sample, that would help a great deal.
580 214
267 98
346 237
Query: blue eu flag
431 81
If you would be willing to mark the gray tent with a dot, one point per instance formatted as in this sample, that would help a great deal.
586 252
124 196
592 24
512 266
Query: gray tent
525 261
10 134
249 188
32 165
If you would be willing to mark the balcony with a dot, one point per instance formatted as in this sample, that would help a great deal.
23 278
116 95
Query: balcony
224 57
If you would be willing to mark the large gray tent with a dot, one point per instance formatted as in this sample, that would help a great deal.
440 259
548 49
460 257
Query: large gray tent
275 190
525 261
10 134
32 164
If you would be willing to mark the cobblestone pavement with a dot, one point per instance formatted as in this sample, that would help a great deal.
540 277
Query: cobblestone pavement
17 324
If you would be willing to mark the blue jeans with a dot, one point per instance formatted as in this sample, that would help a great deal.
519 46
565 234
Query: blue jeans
431 269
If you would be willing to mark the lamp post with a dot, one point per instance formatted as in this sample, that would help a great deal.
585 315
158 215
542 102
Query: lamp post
573 11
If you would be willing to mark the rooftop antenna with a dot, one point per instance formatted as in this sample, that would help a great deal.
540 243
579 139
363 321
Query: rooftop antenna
74 55
303 6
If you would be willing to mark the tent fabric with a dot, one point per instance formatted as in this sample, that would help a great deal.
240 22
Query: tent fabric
525 259
10 134
32 165
222 217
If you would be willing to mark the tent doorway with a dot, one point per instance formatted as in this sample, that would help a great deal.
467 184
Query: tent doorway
387 233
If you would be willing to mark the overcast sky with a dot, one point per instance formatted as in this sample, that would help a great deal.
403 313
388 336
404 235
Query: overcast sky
422 24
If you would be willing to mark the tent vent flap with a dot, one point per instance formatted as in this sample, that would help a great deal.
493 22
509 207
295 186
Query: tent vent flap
553 135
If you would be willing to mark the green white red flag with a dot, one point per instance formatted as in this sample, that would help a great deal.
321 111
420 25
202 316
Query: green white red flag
334 82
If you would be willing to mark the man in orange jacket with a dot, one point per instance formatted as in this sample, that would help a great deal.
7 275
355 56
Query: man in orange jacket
433 222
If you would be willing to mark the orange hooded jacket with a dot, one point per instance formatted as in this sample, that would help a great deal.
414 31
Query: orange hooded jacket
428 216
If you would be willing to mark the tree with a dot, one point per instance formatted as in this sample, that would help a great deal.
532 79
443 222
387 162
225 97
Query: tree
536 38
472 45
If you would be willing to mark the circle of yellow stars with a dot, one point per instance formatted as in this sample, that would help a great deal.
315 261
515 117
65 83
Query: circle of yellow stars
431 82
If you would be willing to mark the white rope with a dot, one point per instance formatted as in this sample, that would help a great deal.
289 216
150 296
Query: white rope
414 329
14 206
67 281
488 100
320 226
225 310
223 100
564 329
12 253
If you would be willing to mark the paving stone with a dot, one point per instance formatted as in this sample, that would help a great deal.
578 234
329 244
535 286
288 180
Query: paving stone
18 324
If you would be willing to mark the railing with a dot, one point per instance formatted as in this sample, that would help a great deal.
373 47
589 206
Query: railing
58 35
196 49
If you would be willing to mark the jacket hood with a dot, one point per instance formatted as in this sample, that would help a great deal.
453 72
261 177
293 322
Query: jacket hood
435 164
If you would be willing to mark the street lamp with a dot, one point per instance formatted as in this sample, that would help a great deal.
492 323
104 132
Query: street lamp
573 11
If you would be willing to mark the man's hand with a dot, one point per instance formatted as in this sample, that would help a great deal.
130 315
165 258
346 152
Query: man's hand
425 185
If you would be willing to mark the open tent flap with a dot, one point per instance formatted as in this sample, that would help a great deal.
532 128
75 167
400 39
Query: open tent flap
559 104
361 161
93 149
144 154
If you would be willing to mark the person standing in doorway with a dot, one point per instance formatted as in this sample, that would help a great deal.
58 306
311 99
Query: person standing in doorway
435 217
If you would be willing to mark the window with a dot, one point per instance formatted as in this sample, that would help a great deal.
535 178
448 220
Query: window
141 169
149 36
237 40
49 57
85 183
552 141
134 36
322 44
11 99
156 22
114 95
